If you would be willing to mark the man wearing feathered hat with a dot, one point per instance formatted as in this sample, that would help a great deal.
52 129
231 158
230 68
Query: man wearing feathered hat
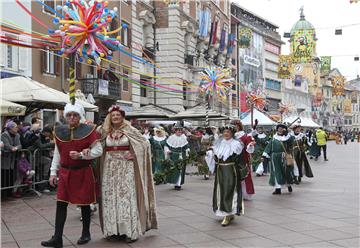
279 151
76 145
177 148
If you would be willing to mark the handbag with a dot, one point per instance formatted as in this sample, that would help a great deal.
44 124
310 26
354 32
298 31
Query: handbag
288 157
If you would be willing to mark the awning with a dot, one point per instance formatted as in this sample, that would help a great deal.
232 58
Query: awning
200 112
150 111
263 119
304 122
11 108
35 95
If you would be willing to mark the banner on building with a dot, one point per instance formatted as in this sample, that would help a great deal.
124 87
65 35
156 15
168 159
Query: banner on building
347 106
298 80
285 66
317 98
338 84
103 87
244 38
303 45
353 97
325 64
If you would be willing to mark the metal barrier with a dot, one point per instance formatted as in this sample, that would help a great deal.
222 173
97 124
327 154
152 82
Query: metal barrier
14 169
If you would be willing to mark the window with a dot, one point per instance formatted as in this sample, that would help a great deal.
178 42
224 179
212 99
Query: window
144 80
126 35
125 83
49 63
51 4
273 85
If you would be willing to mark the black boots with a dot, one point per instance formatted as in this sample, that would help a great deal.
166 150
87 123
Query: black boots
289 189
83 240
277 192
55 242
86 217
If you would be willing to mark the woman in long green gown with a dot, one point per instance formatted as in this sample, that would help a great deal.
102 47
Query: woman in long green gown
281 170
158 143
229 172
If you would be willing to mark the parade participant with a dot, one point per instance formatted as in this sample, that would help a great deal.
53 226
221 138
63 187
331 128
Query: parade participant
230 170
279 152
312 144
261 140
76 145
177 148
158 143
249 144
207 142
299 147
127 204
321 138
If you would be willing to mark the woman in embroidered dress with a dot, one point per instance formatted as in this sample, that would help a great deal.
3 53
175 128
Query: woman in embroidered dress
127 207
177 147
230 170
158 143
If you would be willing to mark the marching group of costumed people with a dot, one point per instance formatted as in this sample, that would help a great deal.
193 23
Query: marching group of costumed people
113 165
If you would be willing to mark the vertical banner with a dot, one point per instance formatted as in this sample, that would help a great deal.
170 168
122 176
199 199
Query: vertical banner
325 64
347 106
338 83
285 65
303 45
298 80
244 38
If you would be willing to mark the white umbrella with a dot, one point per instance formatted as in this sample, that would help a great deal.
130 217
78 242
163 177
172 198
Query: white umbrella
263 119
11 108
149 112
304 122
23 89
199 112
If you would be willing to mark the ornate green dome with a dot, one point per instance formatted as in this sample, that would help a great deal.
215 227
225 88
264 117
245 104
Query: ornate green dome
301 24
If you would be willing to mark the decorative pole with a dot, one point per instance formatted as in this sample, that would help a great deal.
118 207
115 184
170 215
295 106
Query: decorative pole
71 65
252 114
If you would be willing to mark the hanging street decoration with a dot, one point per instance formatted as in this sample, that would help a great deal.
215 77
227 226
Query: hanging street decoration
285 66
286 108
325 64
303 45
257 99
338 83
244 39
216 81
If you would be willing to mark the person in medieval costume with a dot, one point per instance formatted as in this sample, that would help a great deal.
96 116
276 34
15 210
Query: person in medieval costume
230 171
249 148
207 160
127 204
299 149
279 151
76 145
158 143
261 140
177 148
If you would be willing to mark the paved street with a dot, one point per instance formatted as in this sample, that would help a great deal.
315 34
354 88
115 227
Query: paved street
321 212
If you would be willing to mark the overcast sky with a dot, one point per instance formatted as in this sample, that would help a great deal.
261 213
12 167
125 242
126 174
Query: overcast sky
322 14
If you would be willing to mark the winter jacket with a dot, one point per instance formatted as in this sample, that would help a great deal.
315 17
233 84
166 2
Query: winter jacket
321 137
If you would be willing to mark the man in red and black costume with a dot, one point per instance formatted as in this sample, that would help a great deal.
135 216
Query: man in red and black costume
76 145
249 148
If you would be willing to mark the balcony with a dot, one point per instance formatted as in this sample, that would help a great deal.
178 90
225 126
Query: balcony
100 88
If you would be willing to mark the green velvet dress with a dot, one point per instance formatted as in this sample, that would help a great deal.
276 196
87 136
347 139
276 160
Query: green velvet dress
261 141
280 172
227 194
158 153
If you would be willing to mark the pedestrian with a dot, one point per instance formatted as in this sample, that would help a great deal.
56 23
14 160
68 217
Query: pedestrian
127 207
321 138
177 148
11 145
279 151
346 138
301 161
158 143
76 145
249 148
230 171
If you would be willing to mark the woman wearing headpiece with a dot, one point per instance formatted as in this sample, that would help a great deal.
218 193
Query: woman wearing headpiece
301 161
127 207
249 148
177 148
279 151
230 170
158 143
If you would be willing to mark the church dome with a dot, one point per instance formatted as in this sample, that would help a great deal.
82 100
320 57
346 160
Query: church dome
301 24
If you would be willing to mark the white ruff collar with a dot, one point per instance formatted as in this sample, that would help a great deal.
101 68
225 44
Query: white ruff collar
298 136
157 138
223 149
239 134
177 141
261 135
281 138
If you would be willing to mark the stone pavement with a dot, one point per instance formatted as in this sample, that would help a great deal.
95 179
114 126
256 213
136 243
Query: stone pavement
321 212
